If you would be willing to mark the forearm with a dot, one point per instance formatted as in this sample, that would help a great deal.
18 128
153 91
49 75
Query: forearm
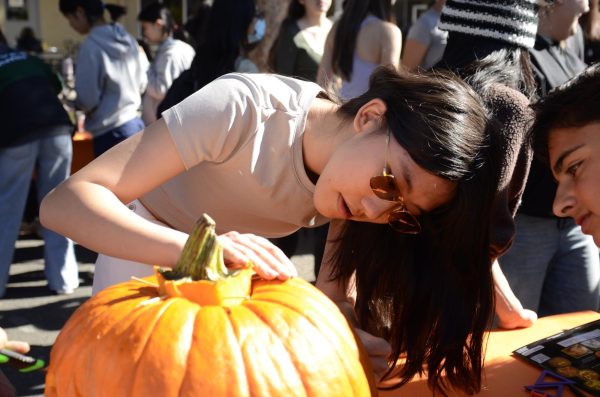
413 55
94 217
506 301
509 310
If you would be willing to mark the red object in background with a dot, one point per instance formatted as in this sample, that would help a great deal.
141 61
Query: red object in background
83 148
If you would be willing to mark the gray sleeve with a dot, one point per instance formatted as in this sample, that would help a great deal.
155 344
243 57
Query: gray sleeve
420 32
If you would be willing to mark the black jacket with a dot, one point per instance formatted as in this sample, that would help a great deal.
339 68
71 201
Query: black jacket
29 106
553 65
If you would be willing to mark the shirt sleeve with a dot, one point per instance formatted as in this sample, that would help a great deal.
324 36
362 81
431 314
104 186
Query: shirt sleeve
214 122
420 32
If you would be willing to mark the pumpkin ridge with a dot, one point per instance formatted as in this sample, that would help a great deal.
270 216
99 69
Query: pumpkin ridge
257 308
300 287
301 365
188 354
339 338
311 299
93 322
157 311
267 377
227 360
166 347
347 339
112 353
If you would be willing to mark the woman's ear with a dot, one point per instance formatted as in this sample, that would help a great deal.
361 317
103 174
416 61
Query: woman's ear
370 117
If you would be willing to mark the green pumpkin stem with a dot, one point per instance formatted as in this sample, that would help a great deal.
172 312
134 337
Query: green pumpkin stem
202 255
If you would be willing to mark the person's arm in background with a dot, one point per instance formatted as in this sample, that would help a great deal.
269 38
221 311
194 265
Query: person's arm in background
509 310
416 46
6 388
391 45
326 78
413 55
344 297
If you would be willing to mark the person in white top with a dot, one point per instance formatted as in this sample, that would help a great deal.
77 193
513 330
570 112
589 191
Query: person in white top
171 58
363 38
264 155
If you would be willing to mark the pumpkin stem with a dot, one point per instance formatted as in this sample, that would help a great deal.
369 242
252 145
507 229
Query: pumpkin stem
202 255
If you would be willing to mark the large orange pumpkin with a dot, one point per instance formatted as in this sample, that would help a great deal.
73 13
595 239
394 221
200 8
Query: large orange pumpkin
224 335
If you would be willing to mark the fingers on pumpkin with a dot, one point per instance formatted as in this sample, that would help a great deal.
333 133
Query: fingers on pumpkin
280 260
267 260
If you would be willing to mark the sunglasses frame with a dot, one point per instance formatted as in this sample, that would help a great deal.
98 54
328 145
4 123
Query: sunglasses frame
384 187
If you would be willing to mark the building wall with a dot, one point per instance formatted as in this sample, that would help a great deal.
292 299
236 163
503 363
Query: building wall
2 16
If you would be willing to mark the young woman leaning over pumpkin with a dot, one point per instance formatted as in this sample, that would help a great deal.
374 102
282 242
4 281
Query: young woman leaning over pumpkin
265 155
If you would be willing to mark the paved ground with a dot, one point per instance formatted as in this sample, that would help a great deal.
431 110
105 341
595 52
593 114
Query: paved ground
30 313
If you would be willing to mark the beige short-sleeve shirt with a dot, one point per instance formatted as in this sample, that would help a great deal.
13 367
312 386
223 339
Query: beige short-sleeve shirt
240 138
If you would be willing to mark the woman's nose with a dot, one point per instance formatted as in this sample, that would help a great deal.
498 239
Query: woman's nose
375 208
564 200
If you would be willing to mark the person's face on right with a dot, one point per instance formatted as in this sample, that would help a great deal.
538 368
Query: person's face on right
575 161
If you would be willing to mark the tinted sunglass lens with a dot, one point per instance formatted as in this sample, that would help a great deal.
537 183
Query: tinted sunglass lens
384 187
404 222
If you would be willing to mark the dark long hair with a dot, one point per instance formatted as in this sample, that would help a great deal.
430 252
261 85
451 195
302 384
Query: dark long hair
430 294
227 29
197 25
344 43
93 9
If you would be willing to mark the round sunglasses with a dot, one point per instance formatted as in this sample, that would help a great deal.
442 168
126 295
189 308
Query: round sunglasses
384 186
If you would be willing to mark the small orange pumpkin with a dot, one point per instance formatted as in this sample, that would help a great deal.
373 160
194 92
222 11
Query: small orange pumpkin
211 334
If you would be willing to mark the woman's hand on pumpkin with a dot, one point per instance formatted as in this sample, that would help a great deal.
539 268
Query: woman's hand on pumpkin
267 260
378 349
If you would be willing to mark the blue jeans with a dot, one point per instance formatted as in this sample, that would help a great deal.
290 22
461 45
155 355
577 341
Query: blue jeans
110 138
552 266
53 157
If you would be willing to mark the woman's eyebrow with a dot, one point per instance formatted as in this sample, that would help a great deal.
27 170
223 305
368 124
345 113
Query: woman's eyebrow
558 164
409 185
